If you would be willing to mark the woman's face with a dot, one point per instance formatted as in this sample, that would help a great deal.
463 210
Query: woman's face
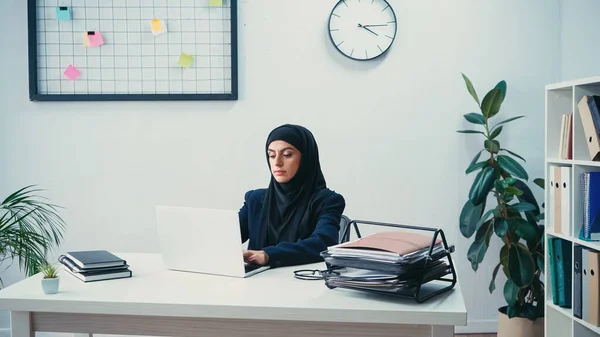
284 160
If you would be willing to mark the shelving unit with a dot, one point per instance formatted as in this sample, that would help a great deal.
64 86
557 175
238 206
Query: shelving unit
562 98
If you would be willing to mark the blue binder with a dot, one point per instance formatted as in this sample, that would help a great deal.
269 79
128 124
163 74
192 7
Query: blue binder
563 257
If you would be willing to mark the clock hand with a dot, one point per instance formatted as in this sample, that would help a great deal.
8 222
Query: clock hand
374 25
359 25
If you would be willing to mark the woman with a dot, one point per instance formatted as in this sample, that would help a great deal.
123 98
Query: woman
297 217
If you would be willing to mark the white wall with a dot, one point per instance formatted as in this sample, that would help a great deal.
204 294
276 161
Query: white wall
386 129
580 52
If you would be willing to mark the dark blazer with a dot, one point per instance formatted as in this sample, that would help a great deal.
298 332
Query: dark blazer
325 234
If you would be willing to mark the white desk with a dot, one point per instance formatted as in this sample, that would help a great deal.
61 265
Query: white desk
158 302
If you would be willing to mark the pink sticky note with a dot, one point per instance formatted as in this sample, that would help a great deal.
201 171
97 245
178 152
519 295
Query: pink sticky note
72 73
95 39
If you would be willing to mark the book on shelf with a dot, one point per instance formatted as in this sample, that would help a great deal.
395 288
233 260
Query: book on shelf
590 206
566 137
94 265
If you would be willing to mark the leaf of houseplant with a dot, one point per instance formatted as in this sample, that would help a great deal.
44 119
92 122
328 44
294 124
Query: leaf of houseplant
521 265
511 291
475 118
523 228
469 217
504 260
495 133
491 103
476 167
499 186
481 185
492 286
470 88
500 227
502 86
476 158
480 245
491 145
521 207
512 167
507 120
514 154
513 190
540 182
540 261
470 131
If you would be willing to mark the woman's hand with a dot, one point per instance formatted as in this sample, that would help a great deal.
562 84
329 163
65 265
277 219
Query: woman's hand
256 256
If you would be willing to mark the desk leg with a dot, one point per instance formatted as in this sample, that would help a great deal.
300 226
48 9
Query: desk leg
442 331
20 323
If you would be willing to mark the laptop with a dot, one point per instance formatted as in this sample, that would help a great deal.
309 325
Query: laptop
203 240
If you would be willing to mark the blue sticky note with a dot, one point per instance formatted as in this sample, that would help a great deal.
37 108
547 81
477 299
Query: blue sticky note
63 13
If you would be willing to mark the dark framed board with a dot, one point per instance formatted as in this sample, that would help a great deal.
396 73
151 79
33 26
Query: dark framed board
94 50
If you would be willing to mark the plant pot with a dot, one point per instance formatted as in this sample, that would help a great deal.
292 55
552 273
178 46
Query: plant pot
519 326
50 285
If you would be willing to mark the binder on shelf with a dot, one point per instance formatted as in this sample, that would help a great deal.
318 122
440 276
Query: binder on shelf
594 288
563 256
550 207
552 262
557 216
585 281
591 134
565 202
590 196
577 269
423 273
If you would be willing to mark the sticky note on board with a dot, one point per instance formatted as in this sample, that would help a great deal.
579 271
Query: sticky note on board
92 39
63 13
158 27
185 60
215 3
72 73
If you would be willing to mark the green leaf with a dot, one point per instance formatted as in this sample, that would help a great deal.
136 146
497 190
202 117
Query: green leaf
521 265
476 158
470 88
506 121
469 218
502 86
511 291
512 167
476 166
504 260
480 245
540 262
470 131
475 118
481 185
521 207
540 182
491 145
513 190
510 181
514 154
491 103
523 228
528 197
500 227
495 133
499 185
492 286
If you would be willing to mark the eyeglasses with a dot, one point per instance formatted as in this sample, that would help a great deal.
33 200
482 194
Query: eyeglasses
314 274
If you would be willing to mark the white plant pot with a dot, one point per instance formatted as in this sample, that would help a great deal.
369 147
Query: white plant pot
50 285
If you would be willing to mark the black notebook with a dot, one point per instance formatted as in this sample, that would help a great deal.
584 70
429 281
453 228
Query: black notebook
95 259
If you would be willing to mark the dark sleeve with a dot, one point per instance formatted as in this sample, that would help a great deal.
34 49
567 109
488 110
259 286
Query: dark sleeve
308 250
243 215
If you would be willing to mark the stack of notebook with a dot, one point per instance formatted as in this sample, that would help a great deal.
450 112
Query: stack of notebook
95 265
387 262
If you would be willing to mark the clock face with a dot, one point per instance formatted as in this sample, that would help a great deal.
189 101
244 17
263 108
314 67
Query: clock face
362 29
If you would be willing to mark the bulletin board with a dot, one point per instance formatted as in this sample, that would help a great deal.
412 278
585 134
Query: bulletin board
93 50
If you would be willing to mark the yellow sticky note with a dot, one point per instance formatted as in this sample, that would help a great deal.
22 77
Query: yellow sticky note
158 27
215 3
185 60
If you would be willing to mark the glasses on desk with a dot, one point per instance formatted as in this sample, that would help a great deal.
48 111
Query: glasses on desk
314 274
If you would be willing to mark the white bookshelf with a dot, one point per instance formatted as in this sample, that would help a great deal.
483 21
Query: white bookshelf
562 98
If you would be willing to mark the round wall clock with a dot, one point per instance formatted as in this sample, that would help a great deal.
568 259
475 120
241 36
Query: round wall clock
362 29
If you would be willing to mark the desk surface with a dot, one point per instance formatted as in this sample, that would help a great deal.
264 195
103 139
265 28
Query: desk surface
274 294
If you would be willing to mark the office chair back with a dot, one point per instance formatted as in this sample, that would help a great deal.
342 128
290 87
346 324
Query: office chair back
344 223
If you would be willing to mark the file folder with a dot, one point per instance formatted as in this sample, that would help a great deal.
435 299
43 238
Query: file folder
577 269
594 288
565 200
563 258
550 207
552 262
585 290
557 199
591 135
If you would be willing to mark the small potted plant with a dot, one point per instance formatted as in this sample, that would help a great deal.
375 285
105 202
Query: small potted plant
50 280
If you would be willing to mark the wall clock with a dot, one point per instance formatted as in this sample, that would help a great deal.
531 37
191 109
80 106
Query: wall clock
362 29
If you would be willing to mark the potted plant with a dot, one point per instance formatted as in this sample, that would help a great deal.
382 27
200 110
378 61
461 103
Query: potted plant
500 204
29 229
50 279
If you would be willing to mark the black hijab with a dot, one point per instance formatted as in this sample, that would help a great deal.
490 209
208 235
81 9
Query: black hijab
290 209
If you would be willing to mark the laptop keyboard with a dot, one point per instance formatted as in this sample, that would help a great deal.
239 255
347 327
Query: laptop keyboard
250 267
